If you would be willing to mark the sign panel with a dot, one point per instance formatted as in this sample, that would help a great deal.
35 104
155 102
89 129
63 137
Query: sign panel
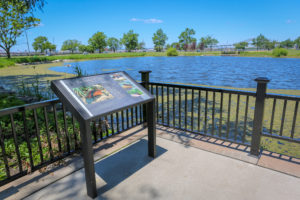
97 95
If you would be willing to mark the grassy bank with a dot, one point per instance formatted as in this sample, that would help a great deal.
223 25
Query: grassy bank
4 62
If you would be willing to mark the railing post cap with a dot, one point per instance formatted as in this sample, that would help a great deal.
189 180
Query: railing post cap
145 71
262 80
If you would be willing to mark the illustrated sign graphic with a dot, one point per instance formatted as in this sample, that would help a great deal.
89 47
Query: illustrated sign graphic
126 84
92 94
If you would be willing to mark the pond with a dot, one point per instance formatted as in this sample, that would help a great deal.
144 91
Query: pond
238 72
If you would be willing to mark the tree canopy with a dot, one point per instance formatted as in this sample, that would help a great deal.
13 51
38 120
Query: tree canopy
130 40
159 39
287 43
113 43
98 41
186 38
297 42
15 18
71 45
41 44
260 42
208 41
241 45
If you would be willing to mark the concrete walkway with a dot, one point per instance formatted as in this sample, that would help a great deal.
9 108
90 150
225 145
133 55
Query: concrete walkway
179 172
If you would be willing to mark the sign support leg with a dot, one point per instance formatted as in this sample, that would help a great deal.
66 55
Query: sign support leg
151 129
88 157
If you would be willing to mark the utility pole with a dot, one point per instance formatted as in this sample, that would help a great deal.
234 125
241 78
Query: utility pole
27 42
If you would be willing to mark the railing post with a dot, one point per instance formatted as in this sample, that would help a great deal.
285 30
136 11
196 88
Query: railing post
145 82
258 114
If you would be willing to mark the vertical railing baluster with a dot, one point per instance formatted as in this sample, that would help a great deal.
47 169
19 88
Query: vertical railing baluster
283 117
47 133
192 110
199 110
131 113
4 153
100 122
162 105
179 107
37 131
141 115
245 119
185 108
112 124
228 116
294 119
56 128
272 117
221 113
213 114
75 132
157 103
122 119
106 126
151 89
168 104
66 129
136 116
205 114
127 119
13 129
27 138
174 111
237 116
94 130
118 127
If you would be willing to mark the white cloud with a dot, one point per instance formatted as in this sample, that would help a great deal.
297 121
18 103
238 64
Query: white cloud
147 21
290 21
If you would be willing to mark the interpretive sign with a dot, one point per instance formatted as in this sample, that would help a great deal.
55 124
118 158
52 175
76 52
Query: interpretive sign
91 97
98 95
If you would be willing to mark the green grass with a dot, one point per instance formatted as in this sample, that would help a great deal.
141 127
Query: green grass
4 62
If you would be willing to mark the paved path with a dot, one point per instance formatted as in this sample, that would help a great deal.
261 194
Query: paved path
179 172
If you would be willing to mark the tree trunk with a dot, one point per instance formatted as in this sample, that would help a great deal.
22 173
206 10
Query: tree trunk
8 53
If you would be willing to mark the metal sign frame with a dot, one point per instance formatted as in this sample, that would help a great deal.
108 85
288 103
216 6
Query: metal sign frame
69 98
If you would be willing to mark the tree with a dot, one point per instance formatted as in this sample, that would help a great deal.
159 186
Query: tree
98 41
130 40
241 45
39 43
287 43
186 37
113 43
71 45
15 18
159 39
271 44
49 46
260 42
297 42
176 45
208 41
141 45
85 48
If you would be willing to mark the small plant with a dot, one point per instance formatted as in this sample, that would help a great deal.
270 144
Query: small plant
78 71
278 52
172 52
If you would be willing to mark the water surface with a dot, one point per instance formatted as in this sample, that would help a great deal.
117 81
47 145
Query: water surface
237 72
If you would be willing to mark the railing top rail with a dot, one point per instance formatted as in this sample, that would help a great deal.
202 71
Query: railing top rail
40 104
283 96
212 89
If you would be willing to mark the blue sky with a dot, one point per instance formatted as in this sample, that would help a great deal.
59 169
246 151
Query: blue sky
229 21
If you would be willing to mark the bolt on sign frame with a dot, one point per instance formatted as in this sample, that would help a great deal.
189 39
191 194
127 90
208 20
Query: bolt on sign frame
92 97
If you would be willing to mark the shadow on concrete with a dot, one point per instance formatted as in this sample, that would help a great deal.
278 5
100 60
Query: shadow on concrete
119 166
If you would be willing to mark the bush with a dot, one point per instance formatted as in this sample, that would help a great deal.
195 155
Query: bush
277 52
172 52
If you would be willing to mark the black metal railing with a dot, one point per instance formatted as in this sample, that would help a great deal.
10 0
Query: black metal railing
242 117
35 135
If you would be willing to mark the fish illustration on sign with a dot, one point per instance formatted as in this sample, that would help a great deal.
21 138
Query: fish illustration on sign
92 94
127 85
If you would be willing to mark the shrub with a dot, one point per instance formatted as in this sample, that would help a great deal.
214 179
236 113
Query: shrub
277 52
172 52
